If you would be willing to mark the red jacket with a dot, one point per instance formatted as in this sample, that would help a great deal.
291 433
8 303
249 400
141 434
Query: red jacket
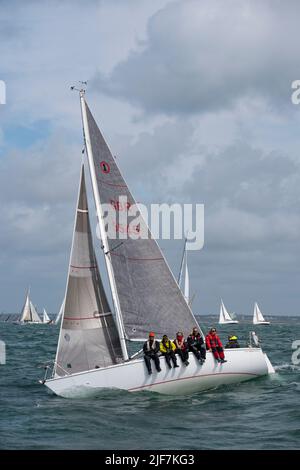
180 344
213 341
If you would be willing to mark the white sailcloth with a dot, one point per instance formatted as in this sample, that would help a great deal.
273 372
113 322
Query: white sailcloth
258 317
225 316
34 314
29 313
60 313
184 279
88 337
26 312
46 318
186 282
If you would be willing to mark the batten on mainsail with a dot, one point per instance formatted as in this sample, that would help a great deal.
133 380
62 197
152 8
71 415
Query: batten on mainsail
146 294
88 337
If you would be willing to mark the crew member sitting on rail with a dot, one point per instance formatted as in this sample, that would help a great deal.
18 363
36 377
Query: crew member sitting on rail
232 342
181 347
167 348
151 349
213 344
196 345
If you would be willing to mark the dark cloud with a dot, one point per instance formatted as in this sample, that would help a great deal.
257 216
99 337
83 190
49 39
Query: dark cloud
209 55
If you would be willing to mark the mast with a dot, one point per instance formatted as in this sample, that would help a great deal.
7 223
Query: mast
110 273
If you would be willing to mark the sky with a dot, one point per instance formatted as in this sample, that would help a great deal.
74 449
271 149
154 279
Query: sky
194 99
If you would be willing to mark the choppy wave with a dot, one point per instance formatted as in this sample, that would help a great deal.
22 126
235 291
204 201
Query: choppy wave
259 414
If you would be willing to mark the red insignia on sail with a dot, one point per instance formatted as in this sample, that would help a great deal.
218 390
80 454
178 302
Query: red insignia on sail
105 168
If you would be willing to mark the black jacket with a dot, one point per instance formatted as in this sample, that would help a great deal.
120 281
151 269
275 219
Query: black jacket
153 350
232 344
195 340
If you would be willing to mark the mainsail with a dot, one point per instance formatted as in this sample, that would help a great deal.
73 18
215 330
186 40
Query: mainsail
88 337
149 297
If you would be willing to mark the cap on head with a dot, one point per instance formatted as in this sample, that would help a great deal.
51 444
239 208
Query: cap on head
151 334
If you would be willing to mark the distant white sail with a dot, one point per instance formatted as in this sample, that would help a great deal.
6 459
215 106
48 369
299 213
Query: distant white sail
186 281
29 313
184 278
34 314
46 318
26 312
258 318
60 313
225 316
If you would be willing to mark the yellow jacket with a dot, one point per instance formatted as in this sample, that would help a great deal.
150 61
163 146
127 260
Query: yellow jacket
169 346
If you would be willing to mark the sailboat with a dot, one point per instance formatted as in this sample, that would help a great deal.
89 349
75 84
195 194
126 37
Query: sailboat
46 318
258 318
92 347
29 313
184 278
225 317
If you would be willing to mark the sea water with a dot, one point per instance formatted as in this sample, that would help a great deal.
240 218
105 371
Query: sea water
260 414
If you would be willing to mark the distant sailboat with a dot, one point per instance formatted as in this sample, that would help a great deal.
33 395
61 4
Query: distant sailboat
46 318
92 346
29 313
225 317
184 278
258 318
60 313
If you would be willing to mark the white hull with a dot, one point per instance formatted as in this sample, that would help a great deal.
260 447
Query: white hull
228 322
261 323
243 364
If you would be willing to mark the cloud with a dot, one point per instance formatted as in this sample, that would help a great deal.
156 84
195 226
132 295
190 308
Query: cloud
210 55
193 98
